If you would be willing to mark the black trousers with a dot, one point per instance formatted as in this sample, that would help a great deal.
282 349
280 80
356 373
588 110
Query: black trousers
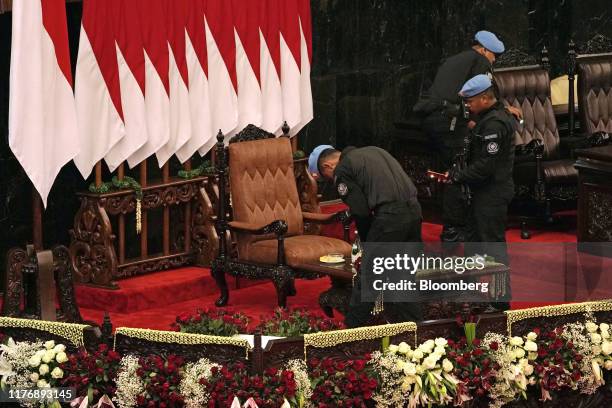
446 145
400 222
486 229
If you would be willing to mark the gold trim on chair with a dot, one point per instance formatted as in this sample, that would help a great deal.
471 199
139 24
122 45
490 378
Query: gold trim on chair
514 316
72 332
335 337
163 336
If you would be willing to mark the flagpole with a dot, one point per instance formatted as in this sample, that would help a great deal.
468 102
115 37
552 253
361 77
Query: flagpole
37 230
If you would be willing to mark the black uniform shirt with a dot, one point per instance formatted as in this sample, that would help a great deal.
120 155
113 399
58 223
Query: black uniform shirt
369 176
455 71
491 156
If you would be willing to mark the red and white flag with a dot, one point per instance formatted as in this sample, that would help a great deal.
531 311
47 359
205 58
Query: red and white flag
246 25
306 110
290 54
97 93
221 47
270 67
197 67
180 117
42 116
157 86
130 59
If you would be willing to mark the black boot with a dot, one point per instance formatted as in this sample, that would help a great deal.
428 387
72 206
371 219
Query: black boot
452 233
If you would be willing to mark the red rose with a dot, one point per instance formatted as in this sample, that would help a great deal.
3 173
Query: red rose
359 365
494 345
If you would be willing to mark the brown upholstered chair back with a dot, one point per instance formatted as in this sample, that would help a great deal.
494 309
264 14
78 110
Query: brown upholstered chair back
262 186
528 88
595 93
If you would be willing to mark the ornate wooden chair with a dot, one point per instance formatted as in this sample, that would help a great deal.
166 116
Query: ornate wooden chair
265 215
595 96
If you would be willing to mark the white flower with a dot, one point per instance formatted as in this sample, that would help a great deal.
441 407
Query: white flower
604 327
34 377
410 369
528 369
393 349
403 348
516 341
400 365
447 365
439 350
43 369
596 349
49 356
532 355
596 371
606 347
605 334
595 338
428 346
417 355
41 353
49 344
57 373
61 357
436 356
42 384
532 336
531 345
440 342
591 327
429 363
519 353
59 348
34 361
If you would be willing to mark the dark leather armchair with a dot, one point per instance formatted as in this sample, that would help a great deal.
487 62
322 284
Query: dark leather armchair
595 97
266 215
538 164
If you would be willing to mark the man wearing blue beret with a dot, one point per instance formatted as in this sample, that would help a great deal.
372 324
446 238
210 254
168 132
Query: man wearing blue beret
488 172
446 123
382 200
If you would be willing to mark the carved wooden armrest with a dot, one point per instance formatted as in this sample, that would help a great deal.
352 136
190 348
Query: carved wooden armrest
320 218
277 227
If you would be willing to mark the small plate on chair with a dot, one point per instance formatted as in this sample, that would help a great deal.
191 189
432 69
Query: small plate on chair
332 258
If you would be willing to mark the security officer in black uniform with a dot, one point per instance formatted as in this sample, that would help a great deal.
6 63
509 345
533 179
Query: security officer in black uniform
489 171
383 202
446 125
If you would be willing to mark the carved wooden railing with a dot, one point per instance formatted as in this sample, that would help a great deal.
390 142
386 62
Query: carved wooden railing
98 253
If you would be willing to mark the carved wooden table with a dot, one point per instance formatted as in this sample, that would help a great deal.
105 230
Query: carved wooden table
594 194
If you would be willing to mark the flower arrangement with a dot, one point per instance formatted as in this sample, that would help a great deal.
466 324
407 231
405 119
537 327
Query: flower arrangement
32 365
217 322
342 383
296 323
271 390
192 387
92 374
424 375
150 381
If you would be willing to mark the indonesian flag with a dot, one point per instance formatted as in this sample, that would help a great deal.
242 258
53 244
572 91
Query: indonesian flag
97 94
197 68
246 27
42 117
306 110
290 54
270 67
131 62
180 116
221 47
157 86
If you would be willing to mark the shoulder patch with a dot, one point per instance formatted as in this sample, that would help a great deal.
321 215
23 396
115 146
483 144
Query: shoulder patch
492 148
342 189
493 136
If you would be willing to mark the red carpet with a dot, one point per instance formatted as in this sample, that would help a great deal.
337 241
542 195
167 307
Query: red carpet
153 301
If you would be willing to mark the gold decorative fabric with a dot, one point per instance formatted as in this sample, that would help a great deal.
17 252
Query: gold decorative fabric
72 332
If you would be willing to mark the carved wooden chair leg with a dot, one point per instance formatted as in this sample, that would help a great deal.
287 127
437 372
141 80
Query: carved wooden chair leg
282 278
218 273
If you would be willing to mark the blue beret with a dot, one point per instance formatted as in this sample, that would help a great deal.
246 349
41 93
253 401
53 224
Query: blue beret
488 40
475 85
313 159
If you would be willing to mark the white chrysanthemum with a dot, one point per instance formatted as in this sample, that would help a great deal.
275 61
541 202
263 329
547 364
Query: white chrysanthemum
591 327
49 344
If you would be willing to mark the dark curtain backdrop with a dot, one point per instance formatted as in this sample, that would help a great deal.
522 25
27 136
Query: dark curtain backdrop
370 59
